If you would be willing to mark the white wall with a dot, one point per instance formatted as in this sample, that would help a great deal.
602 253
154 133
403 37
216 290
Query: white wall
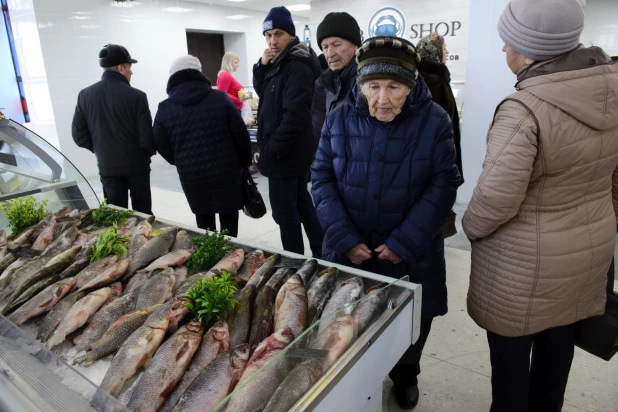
601 26
72 32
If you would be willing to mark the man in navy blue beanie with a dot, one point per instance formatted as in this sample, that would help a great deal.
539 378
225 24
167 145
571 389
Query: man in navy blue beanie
284 80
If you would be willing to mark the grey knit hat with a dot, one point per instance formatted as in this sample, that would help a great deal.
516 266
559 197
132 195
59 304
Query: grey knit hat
542 29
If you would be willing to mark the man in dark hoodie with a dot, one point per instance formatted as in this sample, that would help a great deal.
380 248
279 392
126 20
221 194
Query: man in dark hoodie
339 36
284 80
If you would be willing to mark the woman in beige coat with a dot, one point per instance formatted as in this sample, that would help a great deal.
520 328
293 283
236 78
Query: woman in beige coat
541 219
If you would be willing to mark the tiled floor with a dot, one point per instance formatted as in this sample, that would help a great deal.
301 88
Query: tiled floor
456 370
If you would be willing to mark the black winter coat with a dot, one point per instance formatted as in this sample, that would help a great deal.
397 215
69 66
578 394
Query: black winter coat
438 79
331 91
199 130
285 87
112 120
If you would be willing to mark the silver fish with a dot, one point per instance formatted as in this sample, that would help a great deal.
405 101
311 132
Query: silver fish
157 289
46 236
94 269
253 261
351 290
291 306
42 302
21 275
319 293
152 250
183 242
64 242
108 276
175 258
180 273
370 308
231 262
308 271
139 237
57 314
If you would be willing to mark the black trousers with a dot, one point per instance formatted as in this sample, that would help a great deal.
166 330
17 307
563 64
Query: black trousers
406 371
292 205
519 385
227 221
116 190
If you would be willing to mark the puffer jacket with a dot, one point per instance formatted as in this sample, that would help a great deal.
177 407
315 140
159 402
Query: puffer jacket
389 183
541 219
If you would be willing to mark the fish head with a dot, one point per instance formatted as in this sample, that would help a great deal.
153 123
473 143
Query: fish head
169 233
239 356
195 327
116 288
238 255
177 309
355 281
66 286
221 331
283 336
62 212
294 283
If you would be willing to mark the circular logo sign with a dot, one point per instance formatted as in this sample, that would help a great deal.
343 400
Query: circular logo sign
388 21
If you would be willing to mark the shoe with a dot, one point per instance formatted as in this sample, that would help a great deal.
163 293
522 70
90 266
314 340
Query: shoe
407 397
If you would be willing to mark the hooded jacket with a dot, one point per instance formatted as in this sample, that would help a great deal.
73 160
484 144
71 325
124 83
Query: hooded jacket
331 90
389 183
285 87
541 218
199 130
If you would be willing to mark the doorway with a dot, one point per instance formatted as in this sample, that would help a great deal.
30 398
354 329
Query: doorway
209 49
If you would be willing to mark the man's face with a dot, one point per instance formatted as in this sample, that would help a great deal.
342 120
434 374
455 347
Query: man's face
338 52
277 40
125 70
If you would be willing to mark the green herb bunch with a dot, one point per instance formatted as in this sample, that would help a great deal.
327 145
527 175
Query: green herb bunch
24 212
210 249
107 216
212 297
109 243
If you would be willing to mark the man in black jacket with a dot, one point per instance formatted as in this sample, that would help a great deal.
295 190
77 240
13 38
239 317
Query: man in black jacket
339 36
283 78
113 121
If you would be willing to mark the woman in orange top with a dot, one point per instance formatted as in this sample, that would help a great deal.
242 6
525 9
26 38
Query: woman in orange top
226 81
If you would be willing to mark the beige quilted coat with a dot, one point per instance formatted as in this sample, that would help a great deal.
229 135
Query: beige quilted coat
541 219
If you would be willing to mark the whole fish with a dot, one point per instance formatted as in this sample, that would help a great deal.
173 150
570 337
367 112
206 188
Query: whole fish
86 218
7 262
231 262
308 271
254 394
22 274
78 315
180 273
102 321
108 276
75 268
7 274
319 293
139 238
137 351
94 269
167 367
64 242
291 306
240 318
127 227
175 258
183 242
173 310
43 301
114 336
88 249
263 274
351 290
264 308
81 240
23 239
370 308
138 280
214 342
336 339
215 382
63 226
157 289
56 264
45 238
57 314
152 250
253 261
30 292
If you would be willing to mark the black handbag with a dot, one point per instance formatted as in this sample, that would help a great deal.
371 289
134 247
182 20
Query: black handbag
599 335
254 204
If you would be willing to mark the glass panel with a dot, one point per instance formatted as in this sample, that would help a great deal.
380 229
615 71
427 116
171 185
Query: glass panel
300 370
33 375
29 165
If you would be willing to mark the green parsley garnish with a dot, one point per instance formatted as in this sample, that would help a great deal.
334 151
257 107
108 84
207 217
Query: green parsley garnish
212 297
24 212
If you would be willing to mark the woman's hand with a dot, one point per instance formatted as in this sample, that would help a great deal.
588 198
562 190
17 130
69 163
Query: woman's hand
386 254
359 253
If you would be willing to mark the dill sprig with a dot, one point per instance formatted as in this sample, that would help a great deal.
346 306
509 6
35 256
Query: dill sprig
107 216
210 249
109 243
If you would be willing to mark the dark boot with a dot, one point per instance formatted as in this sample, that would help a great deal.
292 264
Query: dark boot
407 396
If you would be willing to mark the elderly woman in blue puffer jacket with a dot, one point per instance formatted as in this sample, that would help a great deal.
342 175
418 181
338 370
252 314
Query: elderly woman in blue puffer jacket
384 179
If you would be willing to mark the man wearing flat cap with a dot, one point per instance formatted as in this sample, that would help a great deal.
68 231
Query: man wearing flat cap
112 120
339 36
284 80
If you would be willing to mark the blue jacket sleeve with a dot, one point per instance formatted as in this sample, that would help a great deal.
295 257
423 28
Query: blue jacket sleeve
339 231
411 240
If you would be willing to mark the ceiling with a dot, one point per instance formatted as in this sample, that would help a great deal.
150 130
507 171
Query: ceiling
259 5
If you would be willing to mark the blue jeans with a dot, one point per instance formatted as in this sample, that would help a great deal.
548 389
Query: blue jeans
292 205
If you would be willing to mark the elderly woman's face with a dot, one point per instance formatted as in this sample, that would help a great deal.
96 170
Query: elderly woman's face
385 98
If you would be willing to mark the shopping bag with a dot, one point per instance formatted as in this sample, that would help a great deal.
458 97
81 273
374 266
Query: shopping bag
247 113
599 335
254 204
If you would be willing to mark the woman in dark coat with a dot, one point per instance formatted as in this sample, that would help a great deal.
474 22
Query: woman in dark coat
199 130
432 67
384 180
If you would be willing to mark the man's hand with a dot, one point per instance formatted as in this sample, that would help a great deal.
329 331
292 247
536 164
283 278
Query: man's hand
386 254
267 56
359 253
